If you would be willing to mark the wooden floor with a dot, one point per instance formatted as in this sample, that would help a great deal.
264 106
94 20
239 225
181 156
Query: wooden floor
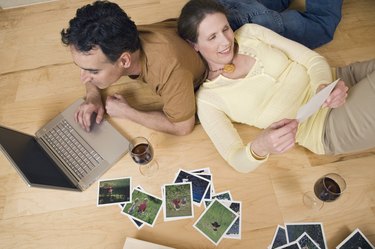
38 79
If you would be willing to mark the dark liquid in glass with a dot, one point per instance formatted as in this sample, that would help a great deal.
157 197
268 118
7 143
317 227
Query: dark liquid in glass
142 153
327 189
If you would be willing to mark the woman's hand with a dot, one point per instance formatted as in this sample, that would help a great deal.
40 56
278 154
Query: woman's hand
337 97
277 138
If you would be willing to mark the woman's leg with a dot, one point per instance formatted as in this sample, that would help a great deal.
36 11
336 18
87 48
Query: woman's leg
350 128
355 72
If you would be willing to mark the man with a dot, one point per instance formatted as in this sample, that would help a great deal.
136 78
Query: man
107 45
313 27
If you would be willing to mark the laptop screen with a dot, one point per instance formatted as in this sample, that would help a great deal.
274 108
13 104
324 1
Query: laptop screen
31 160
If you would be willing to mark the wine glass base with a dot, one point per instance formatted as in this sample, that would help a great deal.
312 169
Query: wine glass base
311 201
149 169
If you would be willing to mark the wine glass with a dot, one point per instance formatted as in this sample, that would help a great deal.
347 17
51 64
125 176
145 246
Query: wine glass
142 154
326 189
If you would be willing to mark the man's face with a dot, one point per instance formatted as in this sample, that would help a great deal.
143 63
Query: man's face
96 68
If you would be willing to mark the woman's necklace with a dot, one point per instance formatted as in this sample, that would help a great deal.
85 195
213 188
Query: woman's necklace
228 68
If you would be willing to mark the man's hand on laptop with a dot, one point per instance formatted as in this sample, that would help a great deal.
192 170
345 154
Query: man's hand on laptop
87 110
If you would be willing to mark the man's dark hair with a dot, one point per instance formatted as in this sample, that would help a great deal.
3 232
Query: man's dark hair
103 24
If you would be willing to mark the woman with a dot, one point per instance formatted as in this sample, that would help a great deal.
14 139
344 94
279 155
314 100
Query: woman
259 78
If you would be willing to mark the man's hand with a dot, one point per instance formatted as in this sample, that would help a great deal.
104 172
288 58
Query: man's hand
116 106
277 138
86 110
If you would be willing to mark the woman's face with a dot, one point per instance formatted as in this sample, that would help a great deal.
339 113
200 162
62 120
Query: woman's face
215 40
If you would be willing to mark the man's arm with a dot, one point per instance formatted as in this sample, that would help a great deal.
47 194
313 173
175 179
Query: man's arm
116 106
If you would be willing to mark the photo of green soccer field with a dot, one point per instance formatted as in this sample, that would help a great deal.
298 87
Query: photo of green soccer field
215 221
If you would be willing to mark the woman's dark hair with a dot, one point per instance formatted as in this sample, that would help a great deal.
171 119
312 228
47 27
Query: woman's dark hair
192 14
103 24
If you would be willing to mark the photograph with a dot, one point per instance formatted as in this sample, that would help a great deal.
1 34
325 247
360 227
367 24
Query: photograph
136 223
114 191
293 245
144 207
219 196
234 231
356 240
209 191
205 171
178 201
215 221
313 229
306 242
200 185
279 238
201 171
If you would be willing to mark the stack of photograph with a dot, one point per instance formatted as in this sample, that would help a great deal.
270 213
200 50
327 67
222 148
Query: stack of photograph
311 236
220 219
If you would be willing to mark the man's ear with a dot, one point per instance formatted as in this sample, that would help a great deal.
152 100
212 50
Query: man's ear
193 45
125 60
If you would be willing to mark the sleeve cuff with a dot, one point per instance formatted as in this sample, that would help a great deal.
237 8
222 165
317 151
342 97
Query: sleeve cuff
253 156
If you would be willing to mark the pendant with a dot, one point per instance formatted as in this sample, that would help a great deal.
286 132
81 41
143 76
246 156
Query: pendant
229 68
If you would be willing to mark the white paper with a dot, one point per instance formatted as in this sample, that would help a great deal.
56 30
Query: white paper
315 102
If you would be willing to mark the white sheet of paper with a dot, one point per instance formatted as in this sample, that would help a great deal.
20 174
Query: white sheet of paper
315 102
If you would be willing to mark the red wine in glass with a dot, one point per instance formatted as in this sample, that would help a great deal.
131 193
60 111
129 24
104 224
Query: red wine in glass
326 189
142 154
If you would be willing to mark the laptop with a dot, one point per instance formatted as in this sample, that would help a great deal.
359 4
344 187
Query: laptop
62 155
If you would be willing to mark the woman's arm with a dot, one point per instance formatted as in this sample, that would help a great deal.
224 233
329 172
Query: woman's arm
226 138
277 138
317 67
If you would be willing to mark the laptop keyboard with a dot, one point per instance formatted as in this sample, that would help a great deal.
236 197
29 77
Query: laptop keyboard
75 152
